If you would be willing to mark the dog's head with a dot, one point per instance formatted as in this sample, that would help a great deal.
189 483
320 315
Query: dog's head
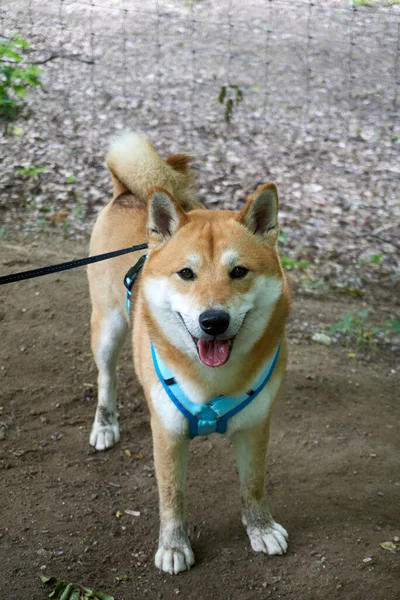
213 278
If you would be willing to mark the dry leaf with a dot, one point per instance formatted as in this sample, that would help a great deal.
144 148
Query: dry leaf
389 546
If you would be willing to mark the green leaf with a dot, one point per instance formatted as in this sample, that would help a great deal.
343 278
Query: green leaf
222 94
67 592
21 43
283 238
302 264
288 263
376 258
393 324
103 596
19 90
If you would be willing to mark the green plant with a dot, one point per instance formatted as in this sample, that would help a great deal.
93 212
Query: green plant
78 210
289 263
376 258
230 95
14 77
371 3
31 170
354 326
70 591
283 238
14 129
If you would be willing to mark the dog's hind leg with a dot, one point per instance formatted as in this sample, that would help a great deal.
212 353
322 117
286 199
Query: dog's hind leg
109 330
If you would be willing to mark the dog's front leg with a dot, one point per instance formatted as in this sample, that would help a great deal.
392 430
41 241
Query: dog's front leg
250 450
171 453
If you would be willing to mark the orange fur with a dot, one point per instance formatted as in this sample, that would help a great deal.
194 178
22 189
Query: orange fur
205 236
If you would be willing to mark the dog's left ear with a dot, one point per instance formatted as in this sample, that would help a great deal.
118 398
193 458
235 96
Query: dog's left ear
165 214
260 213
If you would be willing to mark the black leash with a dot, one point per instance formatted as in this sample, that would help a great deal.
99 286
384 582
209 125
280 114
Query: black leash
72 264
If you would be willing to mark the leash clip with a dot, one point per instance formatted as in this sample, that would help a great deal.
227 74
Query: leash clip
130 279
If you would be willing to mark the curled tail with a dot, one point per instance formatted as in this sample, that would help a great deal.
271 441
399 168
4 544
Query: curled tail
137 167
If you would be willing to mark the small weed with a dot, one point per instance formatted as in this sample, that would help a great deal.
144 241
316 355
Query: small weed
14 129
283 238
372 3
71 179
78 210
31 170
355 328
289 263
62 589
376 258
230 95
15 78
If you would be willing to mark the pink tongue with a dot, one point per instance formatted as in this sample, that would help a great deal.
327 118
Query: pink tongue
213 353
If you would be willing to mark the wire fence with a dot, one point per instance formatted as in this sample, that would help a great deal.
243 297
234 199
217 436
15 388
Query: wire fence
307 86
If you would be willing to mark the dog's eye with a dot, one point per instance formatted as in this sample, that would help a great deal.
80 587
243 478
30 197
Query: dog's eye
186 274
238 272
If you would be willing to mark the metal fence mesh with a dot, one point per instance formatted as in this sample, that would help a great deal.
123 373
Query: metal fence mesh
319 83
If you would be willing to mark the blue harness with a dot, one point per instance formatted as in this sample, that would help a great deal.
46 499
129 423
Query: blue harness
212 416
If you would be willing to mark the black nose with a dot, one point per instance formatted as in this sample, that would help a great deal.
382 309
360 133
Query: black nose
214 322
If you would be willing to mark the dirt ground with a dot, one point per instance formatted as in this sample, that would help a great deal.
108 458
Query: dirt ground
319 117
333 470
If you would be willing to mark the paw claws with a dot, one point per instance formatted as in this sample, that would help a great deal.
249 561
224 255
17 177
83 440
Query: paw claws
174 560
103 437
271 539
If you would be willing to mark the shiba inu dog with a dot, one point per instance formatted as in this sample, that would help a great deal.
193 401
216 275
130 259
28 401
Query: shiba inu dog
207 314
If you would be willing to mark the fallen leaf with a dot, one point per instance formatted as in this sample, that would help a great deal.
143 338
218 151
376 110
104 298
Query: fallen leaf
321 338
389 546
57 217
123 578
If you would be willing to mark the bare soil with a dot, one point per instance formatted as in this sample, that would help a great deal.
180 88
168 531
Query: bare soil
333 470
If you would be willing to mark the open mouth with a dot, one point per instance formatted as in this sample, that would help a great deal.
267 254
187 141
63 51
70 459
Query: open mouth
214 352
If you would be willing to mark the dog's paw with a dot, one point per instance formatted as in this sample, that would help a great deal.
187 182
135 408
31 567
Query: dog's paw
103 437
270 539
174 559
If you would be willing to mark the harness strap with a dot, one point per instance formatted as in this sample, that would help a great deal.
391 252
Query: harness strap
190 417
212 416
222 423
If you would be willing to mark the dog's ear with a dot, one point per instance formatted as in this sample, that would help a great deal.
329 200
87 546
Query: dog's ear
165 214
260 213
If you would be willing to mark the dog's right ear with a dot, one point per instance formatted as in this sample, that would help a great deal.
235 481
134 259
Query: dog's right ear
165 215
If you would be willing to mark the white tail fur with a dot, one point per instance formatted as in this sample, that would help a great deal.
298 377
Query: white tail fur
134 162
